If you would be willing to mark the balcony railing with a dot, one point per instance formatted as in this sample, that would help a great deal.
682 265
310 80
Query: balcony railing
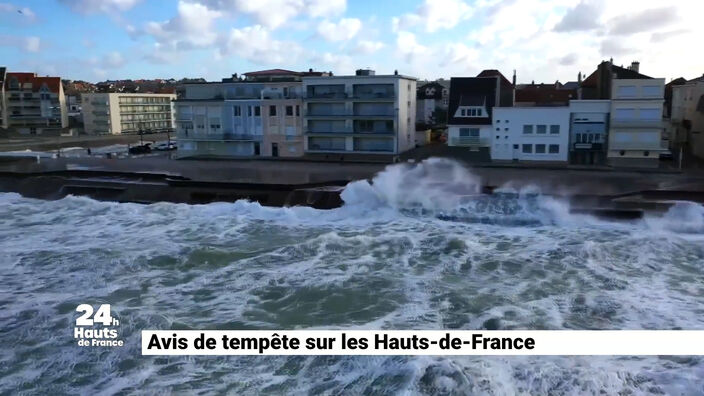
470 141
636 123
375 95
635 145
326 95
221 136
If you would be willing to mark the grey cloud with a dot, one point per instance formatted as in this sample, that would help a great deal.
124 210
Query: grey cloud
643 21
585 16
662 36
611 47
568 60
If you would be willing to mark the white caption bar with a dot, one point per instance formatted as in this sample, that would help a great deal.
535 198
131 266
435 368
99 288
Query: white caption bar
422 342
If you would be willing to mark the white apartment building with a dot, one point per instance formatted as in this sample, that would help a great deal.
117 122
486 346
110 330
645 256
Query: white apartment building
688 115
117 113
361 114
34 105
636 126
530 134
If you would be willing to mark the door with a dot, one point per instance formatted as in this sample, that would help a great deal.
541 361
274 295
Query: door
516 153
274 149
256 148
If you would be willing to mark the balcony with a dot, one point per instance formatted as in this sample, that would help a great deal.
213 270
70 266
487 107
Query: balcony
375 96
470 141
651 146
326 96
637 123
221 136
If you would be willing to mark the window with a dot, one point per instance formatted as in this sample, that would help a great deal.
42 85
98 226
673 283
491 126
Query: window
527 129
651 90
540 149
498 121
554 149
554 129
515 147
237 111
541 129
298 111
626 91
466 132
528 148
646 153
257 111
289 111
464 112
472 112
498 129
506 129
625 114
272 110
591 138
650 114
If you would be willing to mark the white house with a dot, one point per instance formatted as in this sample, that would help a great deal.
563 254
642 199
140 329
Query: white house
636 125
530 134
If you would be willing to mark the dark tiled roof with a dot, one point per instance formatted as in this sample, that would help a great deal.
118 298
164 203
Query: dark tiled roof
469 89
272 72
621 73
545 95
494 73
421 91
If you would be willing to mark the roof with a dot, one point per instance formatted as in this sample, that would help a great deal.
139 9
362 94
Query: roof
620 72
271 72
494 73
570 85
545 94
472 91
698 79
421 91
53 83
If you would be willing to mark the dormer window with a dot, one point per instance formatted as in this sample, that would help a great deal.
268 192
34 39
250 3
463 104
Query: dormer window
471 111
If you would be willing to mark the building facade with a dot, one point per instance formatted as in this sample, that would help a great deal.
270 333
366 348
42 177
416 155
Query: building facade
360 114
34 105
687 120
472 100
589 127
118 113
258 114
636 125
3 102
530 134
432 101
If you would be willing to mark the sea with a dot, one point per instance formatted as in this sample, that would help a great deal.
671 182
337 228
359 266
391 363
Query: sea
417 247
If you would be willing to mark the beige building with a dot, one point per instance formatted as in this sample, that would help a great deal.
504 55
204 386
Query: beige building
116 113
282 120
636 125
34 105
688 115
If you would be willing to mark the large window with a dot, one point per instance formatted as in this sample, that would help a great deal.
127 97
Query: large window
625 114
289 111
528 148
650 114
554 149
272 110
540 149
527 129
541 129
237 111
467 132
626 91
651 90
554 129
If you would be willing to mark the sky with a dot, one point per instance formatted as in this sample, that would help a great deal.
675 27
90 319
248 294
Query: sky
543 40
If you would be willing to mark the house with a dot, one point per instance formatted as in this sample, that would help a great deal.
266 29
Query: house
472 100
635 124
365 113
34 105
687 121
124 113
432 100
537 134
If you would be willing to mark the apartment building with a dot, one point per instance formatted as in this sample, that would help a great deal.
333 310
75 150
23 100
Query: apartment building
530 134
636 126
257 114
117 113
472 100
3 102
361 114
589 127
687 120
34 105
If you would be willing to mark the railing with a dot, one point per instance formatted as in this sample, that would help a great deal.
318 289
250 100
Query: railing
328 131
374 95
636 123
327 95
245 137
634 145
381 132
469 141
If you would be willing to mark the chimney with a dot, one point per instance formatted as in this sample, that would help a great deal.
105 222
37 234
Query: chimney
395 72
310 70
635 66
579 77
514 77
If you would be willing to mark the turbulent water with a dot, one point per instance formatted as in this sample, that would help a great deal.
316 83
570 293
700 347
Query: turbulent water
416 249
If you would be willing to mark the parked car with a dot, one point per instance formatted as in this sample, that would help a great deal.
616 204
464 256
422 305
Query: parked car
141 149
165 146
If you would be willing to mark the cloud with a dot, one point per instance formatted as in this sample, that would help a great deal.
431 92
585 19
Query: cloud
434 15
614 47
458 53
662 36
341 64
408 48
255 44
192 27
584 16
272 14
642 21
25 44
367 47
18 12
344 30
113 60
32 44
99 6
568 60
